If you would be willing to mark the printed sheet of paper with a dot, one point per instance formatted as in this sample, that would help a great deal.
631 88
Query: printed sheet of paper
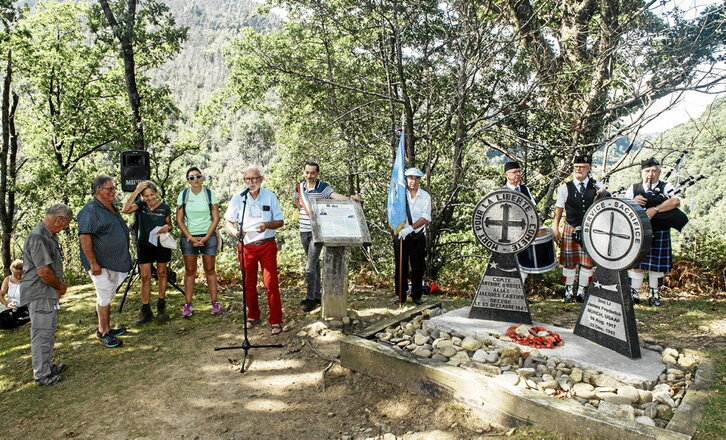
154 236
338 220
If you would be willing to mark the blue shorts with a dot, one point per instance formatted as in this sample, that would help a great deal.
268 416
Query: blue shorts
209 248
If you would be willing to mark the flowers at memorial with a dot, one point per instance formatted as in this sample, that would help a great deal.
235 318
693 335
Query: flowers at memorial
534 336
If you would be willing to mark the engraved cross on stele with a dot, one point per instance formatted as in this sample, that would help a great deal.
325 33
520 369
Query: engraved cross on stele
505 223
611 234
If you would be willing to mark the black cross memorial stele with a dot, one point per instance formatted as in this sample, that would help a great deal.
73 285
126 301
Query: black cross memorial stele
616 234
504 222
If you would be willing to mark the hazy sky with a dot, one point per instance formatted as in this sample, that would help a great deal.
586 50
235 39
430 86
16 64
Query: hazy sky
693 104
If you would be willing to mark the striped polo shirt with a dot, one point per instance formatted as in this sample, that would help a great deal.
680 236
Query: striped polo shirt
321 190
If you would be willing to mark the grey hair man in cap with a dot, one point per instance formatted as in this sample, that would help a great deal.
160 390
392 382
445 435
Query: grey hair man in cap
409 246
41 288
656 197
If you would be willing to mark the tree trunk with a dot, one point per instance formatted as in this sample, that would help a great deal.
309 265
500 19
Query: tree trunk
124 32
8 166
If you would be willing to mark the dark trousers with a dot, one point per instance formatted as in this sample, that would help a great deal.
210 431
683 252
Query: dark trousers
312 267
412 263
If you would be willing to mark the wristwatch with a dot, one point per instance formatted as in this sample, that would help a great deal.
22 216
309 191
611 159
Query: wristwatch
657 209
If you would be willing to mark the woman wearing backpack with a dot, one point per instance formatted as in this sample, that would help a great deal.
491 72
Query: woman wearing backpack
197 215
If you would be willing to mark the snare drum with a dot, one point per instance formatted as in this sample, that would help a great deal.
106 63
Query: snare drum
540 256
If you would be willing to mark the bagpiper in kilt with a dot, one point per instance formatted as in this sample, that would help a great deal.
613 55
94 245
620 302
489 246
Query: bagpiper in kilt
655 197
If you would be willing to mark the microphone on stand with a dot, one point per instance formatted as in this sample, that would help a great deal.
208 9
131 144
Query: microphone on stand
245 192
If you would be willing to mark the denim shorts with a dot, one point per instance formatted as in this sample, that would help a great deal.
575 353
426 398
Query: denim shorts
209 248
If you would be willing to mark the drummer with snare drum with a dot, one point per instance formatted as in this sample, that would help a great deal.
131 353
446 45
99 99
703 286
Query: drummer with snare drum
540 256
574 197
513 176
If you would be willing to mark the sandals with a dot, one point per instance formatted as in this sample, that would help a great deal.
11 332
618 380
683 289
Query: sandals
251 323
275 329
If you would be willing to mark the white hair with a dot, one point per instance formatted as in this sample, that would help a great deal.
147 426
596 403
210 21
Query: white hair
253 168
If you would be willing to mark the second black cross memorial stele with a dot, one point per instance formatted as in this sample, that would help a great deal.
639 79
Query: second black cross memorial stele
617 235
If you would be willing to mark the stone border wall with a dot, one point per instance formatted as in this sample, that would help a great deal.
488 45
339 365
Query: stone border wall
504 405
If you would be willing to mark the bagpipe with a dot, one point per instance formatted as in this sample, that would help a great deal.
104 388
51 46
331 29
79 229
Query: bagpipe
674 218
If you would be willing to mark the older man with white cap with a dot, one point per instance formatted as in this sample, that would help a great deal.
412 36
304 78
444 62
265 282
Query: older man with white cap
412 251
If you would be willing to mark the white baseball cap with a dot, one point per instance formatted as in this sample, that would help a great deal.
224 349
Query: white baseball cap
415 172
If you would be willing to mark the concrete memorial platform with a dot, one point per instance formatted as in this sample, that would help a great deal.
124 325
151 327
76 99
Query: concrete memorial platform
493 397
575 348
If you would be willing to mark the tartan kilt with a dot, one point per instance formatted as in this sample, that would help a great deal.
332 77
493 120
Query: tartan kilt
571 253
660 258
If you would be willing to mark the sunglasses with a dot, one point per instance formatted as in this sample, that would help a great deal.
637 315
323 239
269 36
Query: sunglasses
195 177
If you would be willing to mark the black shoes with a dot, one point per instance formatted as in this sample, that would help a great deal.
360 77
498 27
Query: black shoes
56 369
654 299
568 294
145 314
114 332
54 377
49 380
309 305
161 314
635 295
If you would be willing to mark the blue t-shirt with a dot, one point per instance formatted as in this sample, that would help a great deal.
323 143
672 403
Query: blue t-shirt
109 236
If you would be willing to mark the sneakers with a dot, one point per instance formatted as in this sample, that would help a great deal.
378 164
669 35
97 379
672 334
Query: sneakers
216 310
116 332
635 295
49 380
110 341
56 369
580 297
568 294
654 298
188 310
145 314
161 314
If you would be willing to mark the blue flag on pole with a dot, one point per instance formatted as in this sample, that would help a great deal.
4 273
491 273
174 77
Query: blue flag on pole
397 217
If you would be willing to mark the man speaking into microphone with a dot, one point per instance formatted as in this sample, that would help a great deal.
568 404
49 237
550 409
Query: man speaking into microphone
255 213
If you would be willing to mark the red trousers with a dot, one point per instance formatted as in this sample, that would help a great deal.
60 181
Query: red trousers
266 255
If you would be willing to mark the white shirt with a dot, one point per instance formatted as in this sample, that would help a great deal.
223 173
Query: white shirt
13 295
266 208
562 191
420 206
668 190
516 188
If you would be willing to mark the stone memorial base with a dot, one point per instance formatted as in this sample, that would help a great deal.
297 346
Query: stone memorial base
575 348
504 405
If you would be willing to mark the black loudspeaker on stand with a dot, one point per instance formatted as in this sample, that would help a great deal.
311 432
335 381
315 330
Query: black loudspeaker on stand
135 168
246 345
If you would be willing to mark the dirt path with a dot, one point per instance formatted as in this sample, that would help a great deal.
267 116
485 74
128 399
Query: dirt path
181 388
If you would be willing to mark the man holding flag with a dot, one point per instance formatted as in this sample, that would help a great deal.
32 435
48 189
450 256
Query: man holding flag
308 189
409 210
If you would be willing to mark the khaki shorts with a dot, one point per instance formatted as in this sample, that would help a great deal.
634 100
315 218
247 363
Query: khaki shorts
106 284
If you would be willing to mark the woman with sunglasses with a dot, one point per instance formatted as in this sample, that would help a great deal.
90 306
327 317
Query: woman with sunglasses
197 215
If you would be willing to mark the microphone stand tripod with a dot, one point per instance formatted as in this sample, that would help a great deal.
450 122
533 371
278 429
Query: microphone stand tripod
246 345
